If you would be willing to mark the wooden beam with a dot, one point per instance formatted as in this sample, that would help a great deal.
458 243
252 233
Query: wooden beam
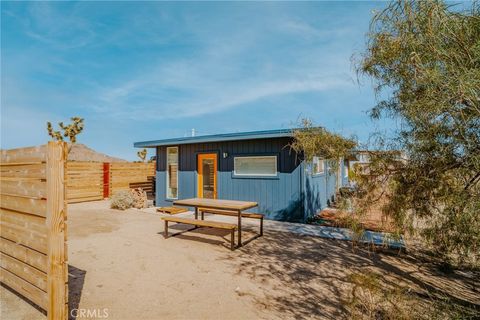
6 164
56 212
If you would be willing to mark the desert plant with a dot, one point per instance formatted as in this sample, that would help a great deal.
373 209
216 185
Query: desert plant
311 141
139 198
372 297
122 200
424 58
142 154
71 130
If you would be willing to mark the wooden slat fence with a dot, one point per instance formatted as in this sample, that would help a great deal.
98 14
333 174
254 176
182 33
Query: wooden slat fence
33 253
122 174
88 181
84 181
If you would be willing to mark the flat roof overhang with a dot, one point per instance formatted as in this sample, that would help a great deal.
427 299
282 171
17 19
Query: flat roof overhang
217 138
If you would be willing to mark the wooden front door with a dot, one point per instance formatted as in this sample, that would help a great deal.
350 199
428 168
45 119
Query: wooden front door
207 175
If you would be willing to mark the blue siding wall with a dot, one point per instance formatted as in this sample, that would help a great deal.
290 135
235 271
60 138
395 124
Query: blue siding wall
292 196
279 198
317 190
161 189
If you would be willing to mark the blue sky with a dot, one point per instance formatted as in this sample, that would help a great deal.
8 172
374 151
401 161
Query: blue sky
153 70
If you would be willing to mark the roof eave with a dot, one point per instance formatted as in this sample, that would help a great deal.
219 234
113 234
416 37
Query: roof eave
216 138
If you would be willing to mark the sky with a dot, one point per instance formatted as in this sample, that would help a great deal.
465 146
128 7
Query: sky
139 71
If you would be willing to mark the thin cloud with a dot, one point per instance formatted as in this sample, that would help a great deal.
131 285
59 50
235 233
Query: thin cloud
61 29
214 99
306 30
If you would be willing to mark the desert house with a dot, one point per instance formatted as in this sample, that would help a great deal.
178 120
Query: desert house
255 166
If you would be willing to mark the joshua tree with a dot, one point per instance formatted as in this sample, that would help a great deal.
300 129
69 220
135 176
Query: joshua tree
142 154
71 130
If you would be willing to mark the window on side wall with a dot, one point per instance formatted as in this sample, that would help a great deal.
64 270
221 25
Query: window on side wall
318 165
172 172
265 166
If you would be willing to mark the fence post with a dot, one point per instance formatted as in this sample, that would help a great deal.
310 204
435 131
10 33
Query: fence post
57 272
106 180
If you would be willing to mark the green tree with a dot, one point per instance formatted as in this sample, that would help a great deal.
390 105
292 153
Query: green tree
424 59
312 141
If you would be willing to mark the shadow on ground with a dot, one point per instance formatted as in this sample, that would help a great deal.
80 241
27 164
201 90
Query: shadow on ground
309 275
76 279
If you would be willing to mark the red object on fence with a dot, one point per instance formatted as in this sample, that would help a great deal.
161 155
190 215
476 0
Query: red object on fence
106 179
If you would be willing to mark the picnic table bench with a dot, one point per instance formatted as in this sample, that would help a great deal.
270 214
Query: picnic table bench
216 206
171 210
203 223
234 214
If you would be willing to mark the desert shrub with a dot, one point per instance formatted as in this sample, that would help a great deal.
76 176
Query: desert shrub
122 200
139 198
371 298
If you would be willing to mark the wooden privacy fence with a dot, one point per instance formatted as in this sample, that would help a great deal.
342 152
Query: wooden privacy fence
123 174
84 181
88 181
33 225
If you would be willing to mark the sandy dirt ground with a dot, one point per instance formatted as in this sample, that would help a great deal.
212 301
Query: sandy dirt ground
121 266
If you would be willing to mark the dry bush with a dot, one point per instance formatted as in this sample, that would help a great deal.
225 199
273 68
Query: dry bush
372 298
122 200
369 299
139 198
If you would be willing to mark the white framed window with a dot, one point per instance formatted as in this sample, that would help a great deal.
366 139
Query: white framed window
318 165
172 173
265 166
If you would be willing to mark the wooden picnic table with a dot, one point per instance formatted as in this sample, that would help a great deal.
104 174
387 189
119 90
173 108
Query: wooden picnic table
233 205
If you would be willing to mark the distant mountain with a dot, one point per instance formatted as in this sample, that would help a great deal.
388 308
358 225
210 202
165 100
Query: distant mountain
81 152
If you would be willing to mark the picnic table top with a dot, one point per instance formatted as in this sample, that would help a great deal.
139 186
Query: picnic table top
216 203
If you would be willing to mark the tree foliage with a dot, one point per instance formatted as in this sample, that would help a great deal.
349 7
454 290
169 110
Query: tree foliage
70 131
424 56
312 141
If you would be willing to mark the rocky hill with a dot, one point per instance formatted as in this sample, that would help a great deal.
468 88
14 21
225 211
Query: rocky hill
81 152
